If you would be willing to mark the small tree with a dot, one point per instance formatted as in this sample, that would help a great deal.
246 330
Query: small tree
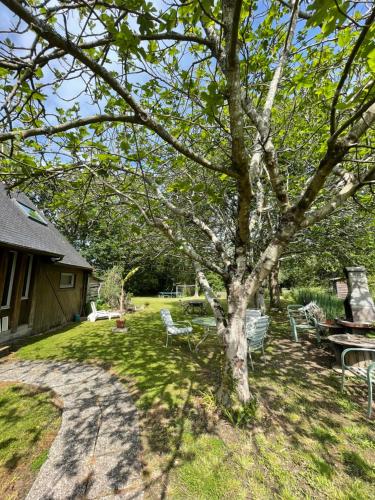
110 290
113 287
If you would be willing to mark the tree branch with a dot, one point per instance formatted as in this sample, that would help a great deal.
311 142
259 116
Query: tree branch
63 127
350 188
301 13
335 153
346 70
189 216
162 225
46 32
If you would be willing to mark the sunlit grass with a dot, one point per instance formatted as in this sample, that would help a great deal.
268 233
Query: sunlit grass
307 440
28 424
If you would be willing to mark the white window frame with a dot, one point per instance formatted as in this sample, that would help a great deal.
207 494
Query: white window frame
4 324
10 288
32 213
28 278
73 281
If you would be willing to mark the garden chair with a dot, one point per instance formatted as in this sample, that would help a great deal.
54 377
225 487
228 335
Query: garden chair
364 370
256 332
175 328
298 320
95 314
252 315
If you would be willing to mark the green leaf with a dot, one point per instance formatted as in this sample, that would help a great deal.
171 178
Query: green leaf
371 61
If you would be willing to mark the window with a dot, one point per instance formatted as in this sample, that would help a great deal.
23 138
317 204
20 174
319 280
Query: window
8 282
32 213
26 282
67 280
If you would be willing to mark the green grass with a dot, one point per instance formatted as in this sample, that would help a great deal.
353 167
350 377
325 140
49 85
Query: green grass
28 423
306 440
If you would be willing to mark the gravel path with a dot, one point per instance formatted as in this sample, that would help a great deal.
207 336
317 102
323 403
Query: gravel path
95 453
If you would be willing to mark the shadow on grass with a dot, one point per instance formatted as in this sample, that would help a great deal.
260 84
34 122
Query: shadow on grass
302 396
163 380
296 387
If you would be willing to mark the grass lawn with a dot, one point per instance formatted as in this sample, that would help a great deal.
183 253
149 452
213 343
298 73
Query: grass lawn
29 423
307 440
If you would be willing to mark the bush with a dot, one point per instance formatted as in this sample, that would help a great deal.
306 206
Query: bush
331 305
216 282
110 290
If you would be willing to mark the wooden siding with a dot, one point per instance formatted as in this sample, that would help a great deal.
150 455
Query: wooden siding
93 289
54 306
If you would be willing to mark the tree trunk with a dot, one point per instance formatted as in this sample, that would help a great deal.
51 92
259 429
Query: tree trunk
122 297
274 287
259 299
234 389
196 287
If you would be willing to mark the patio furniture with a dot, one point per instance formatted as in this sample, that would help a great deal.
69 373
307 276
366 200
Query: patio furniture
196 306
346 340
298 320
175 328
356 327
209 325
305 318
251 315
166 295
95 314
256 334
324 328
364 369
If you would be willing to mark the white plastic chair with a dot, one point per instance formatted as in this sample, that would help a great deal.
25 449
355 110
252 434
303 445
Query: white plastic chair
95 314
175 328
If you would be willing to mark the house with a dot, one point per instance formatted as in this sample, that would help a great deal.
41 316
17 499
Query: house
43 279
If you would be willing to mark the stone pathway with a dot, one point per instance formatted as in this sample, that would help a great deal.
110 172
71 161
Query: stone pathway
95 453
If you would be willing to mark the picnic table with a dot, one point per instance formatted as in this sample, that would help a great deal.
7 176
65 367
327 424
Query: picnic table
168 294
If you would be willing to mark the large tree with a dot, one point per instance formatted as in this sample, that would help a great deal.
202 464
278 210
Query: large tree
230 126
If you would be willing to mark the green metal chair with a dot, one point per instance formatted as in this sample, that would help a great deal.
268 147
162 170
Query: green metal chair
297 320
365 372
256 332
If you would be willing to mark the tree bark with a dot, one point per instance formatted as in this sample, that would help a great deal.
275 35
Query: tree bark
274 287
196 287
234 390
122 297
259 299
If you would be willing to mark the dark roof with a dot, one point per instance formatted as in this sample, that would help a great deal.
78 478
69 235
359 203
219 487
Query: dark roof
18 230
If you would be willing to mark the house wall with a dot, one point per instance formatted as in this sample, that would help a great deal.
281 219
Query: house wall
54 306
48 305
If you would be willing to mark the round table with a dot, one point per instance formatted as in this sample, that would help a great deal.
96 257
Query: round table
355 327
208 323
345 340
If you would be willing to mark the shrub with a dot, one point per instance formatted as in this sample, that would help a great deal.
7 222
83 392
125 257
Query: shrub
110 290
331 305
